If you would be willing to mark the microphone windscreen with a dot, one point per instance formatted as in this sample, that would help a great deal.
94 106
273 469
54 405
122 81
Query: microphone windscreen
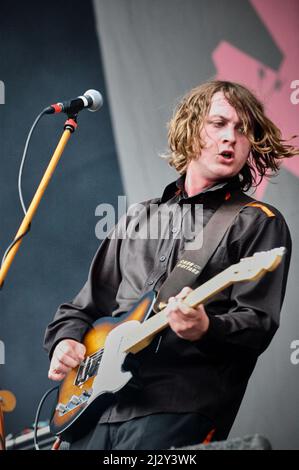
97 99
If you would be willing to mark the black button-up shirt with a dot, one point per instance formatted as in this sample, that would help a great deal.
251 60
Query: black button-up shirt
208 376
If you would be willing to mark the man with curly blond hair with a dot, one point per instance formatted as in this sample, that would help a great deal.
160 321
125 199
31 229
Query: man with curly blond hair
193 375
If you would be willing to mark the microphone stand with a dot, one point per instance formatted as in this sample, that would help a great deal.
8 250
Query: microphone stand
69 127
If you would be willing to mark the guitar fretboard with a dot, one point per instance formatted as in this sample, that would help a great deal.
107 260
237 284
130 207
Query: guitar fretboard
159 321
251 268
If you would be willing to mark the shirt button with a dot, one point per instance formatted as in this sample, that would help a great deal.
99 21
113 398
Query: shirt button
174 230
150 282
162 258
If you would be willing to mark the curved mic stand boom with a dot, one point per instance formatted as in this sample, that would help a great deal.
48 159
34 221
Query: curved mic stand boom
69 127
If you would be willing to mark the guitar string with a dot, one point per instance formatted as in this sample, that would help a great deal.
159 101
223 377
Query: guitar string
98 355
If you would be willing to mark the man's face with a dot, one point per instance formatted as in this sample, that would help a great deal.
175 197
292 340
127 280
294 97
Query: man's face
226 147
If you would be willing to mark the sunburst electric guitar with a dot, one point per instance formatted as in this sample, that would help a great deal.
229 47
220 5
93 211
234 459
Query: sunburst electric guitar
90 387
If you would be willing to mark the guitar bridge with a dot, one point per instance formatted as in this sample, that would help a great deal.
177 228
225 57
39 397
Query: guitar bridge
74 402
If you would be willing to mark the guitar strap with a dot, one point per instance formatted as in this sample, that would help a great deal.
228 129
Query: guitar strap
192 261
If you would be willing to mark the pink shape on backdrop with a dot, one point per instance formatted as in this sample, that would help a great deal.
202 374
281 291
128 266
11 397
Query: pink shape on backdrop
272 87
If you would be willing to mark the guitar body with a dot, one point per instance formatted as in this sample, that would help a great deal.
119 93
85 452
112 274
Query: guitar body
90 387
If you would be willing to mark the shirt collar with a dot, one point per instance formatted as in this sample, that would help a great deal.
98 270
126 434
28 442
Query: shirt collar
177 188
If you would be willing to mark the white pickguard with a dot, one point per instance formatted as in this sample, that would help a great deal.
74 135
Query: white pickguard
111 377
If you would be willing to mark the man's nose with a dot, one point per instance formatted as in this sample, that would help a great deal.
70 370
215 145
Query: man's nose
229 134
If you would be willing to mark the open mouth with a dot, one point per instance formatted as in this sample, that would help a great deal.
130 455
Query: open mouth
227 154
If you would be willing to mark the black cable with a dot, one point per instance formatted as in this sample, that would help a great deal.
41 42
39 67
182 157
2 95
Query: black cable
44 111
13 243
35 426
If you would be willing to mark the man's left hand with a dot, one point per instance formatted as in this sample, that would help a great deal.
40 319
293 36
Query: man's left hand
187 322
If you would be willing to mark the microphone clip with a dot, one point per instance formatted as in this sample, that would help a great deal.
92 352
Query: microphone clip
71 123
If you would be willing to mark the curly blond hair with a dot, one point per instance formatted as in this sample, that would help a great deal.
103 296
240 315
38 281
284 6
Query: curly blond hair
267 146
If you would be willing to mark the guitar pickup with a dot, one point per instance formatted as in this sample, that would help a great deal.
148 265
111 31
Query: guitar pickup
74 402
87 369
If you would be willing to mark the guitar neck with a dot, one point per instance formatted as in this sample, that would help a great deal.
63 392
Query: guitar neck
159 321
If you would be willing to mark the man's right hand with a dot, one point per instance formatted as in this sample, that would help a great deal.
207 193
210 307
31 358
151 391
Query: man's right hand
67 355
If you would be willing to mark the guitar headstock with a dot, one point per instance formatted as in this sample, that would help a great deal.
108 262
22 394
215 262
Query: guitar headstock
253 267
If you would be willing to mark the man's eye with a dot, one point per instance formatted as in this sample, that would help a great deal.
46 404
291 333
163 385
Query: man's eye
241 130
218 123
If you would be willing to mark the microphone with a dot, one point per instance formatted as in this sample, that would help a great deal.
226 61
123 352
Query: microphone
92 100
